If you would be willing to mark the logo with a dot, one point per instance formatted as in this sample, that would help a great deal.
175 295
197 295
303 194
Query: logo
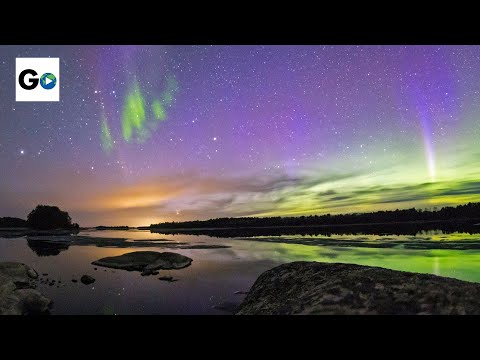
48 81
31 72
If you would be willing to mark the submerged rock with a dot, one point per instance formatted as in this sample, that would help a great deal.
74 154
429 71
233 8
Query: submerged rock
167 278
17 293
87 279
326 288
145 261
52 245
147 272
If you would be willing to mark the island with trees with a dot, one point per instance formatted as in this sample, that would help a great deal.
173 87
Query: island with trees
43 220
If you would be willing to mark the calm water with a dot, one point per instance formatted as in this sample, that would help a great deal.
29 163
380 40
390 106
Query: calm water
215 274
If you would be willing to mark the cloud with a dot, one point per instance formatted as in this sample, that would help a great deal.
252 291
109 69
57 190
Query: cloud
195 196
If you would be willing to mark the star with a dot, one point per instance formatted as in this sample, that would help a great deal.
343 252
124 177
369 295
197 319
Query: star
291 119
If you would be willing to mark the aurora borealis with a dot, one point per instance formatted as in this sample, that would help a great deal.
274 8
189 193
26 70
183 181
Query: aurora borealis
144 134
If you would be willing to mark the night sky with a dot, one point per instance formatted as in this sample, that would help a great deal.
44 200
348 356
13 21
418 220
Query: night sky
144 134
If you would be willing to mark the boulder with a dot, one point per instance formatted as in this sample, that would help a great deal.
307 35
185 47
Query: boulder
334 288
32 273
87 279
17 293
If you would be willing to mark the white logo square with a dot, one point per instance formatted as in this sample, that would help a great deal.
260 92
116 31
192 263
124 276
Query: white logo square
37 79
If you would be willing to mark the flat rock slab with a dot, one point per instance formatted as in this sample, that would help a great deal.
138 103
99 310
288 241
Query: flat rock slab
145 261
326 288
17 293
53 245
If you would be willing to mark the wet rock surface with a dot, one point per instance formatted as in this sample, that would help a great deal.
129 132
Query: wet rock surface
334 288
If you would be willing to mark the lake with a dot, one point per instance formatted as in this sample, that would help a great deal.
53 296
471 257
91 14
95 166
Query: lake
217 274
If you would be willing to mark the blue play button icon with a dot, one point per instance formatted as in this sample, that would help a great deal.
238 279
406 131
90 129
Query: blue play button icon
48 81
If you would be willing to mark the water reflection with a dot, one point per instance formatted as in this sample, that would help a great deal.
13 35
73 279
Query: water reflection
47 248
215 275
412 228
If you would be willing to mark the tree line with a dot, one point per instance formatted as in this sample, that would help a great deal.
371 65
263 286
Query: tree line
470 211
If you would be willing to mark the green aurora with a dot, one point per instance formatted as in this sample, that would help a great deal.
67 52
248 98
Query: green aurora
140 115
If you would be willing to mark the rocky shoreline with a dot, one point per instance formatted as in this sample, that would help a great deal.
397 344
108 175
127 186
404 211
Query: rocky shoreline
17 291
312 288
298 288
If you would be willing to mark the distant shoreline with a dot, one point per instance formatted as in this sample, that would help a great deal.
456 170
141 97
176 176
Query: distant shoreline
390 228
399 227
400 223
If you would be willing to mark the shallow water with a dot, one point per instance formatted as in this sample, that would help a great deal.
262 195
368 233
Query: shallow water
216 274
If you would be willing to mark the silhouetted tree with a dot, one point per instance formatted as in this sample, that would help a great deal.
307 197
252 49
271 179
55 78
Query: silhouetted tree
46 217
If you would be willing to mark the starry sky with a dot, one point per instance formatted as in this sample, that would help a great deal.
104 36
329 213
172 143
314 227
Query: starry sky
145 134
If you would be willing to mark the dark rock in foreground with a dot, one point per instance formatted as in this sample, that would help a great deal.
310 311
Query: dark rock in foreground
145 261
323 288
86 279
17 293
